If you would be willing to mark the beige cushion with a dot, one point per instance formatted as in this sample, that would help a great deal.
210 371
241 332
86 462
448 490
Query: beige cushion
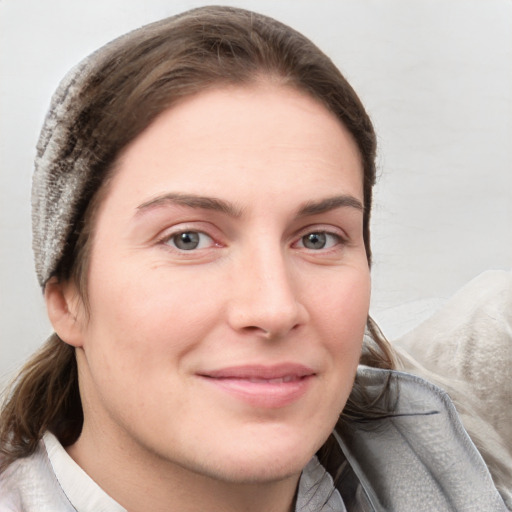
466 347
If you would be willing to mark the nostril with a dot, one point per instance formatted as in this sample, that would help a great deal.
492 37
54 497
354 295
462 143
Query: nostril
255 328
268 333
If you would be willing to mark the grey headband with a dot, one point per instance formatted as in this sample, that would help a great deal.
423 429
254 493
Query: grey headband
64 163
57 182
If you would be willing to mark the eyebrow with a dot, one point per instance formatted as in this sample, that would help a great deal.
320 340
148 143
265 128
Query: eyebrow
330 203
192 201
215 204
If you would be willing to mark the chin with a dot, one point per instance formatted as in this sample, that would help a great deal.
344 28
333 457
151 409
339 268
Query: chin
265 470
264 462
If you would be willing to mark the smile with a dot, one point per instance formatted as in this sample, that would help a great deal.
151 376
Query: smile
262 386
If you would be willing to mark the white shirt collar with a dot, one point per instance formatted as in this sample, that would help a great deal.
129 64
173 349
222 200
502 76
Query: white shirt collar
81 490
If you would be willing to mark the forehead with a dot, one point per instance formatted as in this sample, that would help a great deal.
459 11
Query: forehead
265 133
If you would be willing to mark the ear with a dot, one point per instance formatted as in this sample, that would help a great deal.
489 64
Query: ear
65 311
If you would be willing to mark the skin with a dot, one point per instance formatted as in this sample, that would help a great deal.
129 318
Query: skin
259 290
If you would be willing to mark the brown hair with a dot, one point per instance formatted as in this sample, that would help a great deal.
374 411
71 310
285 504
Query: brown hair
140 75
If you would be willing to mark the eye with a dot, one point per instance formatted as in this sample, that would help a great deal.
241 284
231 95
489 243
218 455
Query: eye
319 240
190 240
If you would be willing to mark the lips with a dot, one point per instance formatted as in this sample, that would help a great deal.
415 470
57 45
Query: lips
262 386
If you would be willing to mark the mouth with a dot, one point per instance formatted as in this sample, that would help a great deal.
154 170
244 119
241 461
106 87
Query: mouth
262 386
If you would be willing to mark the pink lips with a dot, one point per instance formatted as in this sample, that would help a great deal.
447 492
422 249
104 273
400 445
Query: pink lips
263 386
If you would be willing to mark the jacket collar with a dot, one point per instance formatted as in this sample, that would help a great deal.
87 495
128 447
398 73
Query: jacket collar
413 455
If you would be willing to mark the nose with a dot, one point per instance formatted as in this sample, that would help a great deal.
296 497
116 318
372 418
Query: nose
266 298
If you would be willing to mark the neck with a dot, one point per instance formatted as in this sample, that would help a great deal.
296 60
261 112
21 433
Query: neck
139 482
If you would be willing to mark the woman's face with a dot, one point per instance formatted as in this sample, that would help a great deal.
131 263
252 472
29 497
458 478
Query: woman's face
228 287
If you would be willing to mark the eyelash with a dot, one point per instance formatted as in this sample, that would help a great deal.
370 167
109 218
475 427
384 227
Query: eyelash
330 238
336 239
170 238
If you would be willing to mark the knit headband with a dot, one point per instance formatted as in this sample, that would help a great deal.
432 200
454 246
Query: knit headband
64 163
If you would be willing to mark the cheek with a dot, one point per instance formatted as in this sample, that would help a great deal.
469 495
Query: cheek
139 308
345 303
340 315
344 313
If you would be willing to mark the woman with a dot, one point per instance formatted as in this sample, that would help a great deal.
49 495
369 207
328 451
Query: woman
201 209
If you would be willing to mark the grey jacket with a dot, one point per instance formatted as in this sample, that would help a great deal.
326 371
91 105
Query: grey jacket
414 457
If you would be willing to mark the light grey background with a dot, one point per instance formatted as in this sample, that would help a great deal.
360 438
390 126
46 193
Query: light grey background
435 75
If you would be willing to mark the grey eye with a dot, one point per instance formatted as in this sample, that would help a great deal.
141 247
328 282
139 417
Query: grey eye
314 240
186 241
189 241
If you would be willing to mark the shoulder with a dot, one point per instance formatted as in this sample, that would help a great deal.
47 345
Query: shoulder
415 454
29 485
